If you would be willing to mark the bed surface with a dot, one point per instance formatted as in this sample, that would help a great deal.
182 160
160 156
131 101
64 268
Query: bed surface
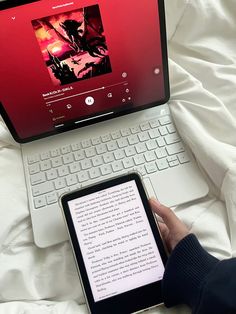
202 62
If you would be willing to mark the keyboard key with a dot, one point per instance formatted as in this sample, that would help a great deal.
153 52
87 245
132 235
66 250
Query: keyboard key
86 164
60 183
86 143
141 148
119 154
133 139
63 171
112 146
174 149
71 179
40 202
128 163
160 142
139 159
33 159
171 158
51 174
75 167
45 165
115 135
90 152
52 198
171 128
150 156
38 178
65 149
97 161
34 168
55 152
125 132
165 120
117 166
151 144
154 123
106 138
96 141
56 162
76 187
106 169
162 164
94 173
154 133
79 155
42 188
45 155
75 147
163 130
145 126
143 137
130 151
83 176
161 152
67 159
122 142
172 138
174 163
101 149
108 157
183 158
135 129
151 167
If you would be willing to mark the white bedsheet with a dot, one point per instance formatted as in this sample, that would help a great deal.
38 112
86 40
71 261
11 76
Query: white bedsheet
202 51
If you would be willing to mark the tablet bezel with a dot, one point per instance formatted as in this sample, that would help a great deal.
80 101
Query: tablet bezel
133 300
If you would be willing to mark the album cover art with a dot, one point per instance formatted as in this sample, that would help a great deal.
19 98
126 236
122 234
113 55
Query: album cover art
73 45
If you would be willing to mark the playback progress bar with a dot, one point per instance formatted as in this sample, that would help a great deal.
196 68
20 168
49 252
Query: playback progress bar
84 93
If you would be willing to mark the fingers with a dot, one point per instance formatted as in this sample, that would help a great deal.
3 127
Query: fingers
164 230
167 215
173 229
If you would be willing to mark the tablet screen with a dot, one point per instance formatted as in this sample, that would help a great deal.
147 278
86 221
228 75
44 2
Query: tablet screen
69 64
116 241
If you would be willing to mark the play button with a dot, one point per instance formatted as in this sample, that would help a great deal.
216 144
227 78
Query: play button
89 101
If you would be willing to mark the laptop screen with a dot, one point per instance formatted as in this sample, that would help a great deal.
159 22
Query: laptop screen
66 64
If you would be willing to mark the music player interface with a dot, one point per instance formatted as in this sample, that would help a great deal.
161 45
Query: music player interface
65 62
116 240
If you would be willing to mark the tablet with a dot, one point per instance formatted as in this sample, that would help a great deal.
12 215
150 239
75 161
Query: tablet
117 246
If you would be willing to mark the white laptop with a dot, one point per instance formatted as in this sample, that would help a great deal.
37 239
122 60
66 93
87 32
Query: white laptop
84 87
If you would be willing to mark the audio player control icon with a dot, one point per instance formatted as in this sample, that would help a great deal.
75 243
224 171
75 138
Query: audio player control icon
89 101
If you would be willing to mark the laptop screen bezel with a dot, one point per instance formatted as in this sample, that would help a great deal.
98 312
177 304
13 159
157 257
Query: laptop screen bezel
162 21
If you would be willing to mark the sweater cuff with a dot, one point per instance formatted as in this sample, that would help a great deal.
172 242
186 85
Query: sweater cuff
185 271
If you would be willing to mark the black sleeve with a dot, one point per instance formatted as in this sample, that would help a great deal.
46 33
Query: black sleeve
196 278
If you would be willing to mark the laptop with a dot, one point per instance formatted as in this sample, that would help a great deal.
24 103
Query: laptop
84 89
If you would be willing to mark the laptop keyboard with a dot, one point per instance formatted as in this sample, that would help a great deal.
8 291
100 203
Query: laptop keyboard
147 148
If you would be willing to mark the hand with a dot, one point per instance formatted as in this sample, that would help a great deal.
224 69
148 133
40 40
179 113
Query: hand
173 230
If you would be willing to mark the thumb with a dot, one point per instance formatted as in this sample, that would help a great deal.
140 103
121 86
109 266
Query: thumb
167 215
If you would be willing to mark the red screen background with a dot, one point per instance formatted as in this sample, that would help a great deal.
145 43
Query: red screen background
133 38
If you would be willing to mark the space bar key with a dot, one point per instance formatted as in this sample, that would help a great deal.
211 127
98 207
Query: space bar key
42 188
